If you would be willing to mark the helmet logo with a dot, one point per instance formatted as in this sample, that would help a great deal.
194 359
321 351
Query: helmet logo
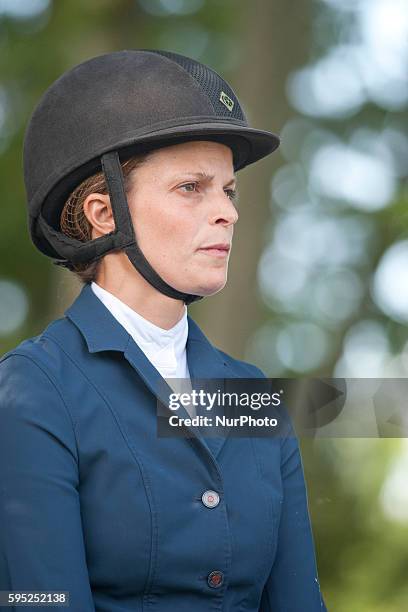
226 100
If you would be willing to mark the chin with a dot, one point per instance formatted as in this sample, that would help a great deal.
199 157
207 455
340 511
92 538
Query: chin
204 283
209 287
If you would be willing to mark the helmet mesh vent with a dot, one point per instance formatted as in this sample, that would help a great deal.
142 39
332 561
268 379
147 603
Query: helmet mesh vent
210 82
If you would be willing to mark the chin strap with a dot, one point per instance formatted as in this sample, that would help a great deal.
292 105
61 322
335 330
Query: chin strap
114 179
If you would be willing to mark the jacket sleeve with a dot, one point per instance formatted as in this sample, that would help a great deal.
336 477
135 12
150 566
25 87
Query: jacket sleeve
293 584
41 540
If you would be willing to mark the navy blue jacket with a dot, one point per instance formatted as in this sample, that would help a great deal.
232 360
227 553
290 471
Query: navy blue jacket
93 502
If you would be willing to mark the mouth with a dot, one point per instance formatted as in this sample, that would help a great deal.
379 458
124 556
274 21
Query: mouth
216 250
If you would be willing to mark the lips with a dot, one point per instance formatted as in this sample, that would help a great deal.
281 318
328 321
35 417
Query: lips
221 246
219 250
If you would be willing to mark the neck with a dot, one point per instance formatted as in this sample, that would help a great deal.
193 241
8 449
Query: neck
129 286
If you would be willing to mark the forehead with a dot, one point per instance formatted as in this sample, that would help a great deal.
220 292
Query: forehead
206 160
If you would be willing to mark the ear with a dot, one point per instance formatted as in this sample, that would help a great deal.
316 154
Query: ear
97 209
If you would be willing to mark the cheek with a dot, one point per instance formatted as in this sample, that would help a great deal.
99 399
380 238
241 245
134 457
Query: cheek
161 232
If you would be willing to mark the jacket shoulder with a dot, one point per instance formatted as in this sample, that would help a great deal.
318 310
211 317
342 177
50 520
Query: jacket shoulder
249 370
42 349
244 368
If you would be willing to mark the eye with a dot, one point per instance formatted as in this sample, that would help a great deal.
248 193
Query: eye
232 194
189 185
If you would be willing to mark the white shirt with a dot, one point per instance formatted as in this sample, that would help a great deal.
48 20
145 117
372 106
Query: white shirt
165 348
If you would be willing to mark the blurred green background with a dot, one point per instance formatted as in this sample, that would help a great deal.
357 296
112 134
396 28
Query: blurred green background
318 280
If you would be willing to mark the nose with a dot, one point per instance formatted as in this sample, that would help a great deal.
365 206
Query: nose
224 210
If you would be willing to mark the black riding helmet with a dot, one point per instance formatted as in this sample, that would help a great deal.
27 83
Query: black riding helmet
106 110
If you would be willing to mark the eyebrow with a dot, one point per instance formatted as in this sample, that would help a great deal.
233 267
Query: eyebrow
209 177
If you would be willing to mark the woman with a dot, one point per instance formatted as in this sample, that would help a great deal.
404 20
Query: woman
129 163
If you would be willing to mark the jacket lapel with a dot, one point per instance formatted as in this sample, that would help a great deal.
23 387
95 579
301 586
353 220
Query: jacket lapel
102 332
205 362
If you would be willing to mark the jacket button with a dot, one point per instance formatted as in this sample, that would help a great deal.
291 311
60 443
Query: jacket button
210 499
215 579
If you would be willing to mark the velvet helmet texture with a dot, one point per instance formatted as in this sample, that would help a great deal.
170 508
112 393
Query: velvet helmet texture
105 110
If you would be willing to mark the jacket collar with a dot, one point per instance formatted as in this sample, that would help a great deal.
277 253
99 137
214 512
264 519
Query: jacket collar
102 332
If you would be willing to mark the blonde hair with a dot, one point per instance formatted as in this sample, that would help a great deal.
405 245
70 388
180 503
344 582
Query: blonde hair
73 220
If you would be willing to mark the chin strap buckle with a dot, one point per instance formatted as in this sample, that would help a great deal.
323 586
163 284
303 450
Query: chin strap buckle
65 263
